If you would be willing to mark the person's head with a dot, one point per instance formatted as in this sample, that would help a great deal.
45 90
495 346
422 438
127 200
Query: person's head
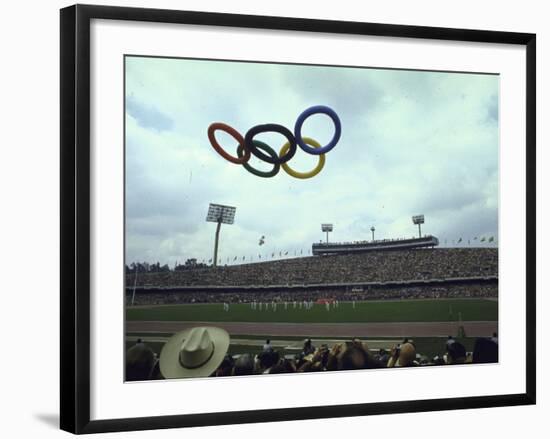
194 352
306 365
284 366
456 353
140 362
322 354
226 367
288 365
267 341
277 369
485 351
407 355
353 358
244 365
268 359
423 360
299 359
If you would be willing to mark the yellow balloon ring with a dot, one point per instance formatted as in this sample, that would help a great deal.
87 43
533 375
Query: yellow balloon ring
303 175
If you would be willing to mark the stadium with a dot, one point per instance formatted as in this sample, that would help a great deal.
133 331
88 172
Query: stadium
271 297
380 295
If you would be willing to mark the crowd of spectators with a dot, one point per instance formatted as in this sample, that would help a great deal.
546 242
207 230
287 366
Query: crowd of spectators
143 364
449 291
383 266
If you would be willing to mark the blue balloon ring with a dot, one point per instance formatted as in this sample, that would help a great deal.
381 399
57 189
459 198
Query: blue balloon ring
270 127
317 109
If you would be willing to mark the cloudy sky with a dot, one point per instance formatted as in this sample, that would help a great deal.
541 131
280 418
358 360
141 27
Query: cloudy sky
412 143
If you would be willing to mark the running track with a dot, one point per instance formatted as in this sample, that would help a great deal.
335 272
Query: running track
393 329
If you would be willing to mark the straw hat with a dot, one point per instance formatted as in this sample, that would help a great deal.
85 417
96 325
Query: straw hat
194 352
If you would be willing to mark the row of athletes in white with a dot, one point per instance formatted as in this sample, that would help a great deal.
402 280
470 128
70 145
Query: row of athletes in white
307 305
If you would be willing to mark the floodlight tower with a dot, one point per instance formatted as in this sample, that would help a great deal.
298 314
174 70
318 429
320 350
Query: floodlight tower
372 229
418 219
326 228
218 213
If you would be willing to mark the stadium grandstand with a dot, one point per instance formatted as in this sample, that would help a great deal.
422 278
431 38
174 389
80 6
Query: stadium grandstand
325 248
410 273
414 305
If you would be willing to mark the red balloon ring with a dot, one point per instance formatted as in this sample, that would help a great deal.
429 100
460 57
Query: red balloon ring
233 133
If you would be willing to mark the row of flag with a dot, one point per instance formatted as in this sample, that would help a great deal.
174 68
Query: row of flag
489 239
481 239
260 257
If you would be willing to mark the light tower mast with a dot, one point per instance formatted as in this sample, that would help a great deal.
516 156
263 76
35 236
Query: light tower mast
218 213
418 219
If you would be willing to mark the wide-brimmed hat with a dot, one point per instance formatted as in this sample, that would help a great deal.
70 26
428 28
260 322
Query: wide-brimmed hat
194 352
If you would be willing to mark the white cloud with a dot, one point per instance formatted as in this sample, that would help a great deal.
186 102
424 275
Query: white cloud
412 142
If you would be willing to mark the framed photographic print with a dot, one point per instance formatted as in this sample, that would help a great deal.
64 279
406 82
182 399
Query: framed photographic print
276 203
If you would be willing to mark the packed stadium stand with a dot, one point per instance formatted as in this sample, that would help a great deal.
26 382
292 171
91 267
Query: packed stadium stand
326 248
441 272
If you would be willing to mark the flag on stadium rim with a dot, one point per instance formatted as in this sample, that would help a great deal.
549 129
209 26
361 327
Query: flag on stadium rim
459 240
482 239
491 239
286 253
235 258
209 260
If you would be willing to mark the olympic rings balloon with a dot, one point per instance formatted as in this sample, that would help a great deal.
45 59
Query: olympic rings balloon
270 127
304 175
233 133
247 145
270 151
317 109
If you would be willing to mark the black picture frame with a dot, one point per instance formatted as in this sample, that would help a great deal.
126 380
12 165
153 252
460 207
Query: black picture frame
75 216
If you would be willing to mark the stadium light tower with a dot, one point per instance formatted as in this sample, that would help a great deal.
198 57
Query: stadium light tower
326 228
372 229
218 213
418 219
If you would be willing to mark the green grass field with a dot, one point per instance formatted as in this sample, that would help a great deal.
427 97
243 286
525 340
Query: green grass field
438 310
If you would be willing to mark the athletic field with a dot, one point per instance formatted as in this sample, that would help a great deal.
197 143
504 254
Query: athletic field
380 323
419 310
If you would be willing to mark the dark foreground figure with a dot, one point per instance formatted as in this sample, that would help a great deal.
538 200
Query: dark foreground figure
202 352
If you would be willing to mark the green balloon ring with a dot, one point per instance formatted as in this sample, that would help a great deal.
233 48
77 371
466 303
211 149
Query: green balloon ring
266 148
